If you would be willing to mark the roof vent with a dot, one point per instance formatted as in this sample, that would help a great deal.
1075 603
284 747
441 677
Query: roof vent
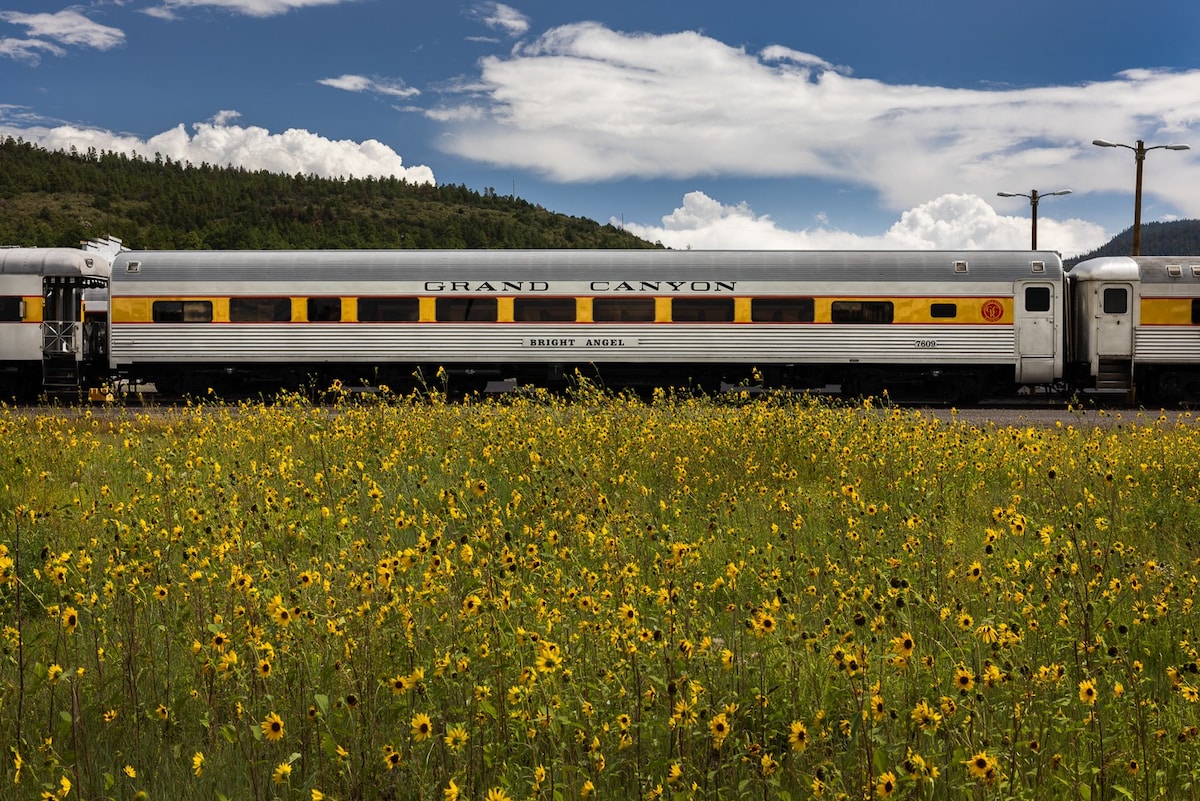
1175 270
1037 266
133 267
960 266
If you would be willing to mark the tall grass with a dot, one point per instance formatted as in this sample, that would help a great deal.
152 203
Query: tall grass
594 595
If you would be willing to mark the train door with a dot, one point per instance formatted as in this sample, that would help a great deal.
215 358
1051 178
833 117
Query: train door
1036 319
1113 334
63 342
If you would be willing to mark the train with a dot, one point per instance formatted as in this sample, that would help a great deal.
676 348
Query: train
937 326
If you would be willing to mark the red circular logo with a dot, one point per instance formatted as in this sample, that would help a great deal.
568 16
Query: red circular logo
992 310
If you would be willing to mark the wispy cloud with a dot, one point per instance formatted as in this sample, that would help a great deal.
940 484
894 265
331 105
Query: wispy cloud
378 86
583 102
169 9
52 34
500 17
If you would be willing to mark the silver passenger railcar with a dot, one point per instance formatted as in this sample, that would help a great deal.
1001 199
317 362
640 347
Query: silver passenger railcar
1135 324
926 323
50 339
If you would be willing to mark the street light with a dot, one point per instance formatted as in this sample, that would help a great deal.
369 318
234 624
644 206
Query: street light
1033 204
1139 155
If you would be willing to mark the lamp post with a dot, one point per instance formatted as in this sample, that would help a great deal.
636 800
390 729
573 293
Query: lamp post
1034 197
1139 155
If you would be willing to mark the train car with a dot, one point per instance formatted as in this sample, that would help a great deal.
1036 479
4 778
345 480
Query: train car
1135 325
50 339
937 324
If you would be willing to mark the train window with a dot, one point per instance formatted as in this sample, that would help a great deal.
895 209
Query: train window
941 311
1037 298
1116 300
862 311
1196 312
702 310
623 310
544 310
466 310
10 310
324 310
389 310
260 310
181 311
781 310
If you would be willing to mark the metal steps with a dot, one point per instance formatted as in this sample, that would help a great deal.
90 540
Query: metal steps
1115 375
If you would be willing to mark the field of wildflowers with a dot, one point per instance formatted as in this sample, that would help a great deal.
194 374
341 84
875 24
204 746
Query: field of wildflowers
598 596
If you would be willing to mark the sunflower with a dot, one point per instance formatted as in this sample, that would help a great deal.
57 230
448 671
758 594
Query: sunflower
422 727
719 727
281 773
925 716
885 785
272 727
982 767
798 736
456 737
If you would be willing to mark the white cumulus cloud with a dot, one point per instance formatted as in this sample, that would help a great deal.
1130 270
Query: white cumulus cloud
221 143
949 222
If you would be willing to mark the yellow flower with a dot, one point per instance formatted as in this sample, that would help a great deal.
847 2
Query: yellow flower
130 771
197 763
798 736
497 794
456 737
982 767
451 791
70 619
272 727
885 785
926 716
422 727
719 727
281 773
1087 691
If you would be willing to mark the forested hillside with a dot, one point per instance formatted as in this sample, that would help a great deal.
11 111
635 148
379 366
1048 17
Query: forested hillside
1177 238
57 199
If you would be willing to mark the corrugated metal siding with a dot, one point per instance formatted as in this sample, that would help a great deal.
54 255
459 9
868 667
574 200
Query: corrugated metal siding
1166 344
506 343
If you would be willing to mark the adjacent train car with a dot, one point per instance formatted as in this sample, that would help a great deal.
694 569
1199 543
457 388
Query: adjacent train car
50 340
936 324
1135 325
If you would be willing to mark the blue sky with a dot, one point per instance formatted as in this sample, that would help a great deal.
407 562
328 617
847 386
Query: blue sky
759 124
